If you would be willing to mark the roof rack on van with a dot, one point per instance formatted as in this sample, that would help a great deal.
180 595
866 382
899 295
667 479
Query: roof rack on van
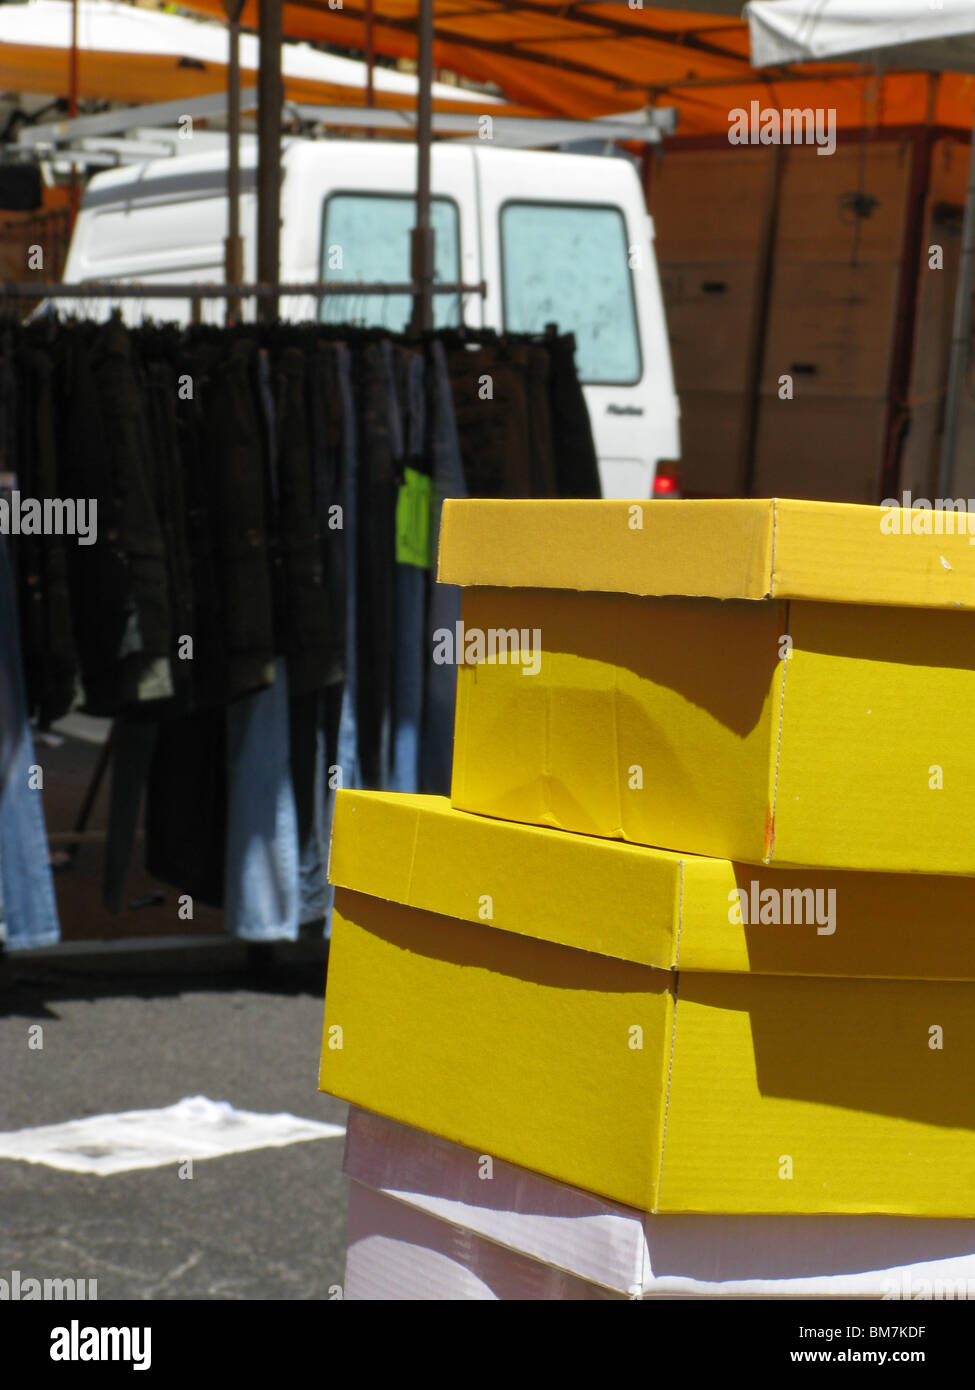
90 138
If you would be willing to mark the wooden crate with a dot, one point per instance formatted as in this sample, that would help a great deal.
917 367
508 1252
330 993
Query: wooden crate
708 205
712 430
824 447
818 220
710 307
831 327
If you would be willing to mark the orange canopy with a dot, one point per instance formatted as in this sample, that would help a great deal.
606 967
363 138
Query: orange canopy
602 57
130 54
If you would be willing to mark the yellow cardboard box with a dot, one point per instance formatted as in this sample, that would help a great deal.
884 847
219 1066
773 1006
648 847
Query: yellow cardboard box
674 1092
655 907
781 683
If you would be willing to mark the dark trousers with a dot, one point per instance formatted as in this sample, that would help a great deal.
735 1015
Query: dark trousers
301 602
576 464
233 462
376 551
41 561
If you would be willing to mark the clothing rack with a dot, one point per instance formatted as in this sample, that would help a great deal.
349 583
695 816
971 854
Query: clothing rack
233 294
101 290
313 289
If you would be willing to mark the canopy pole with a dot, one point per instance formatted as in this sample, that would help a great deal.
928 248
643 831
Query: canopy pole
270 98
960 337
233 248
421 248
73 63
74 199
370 55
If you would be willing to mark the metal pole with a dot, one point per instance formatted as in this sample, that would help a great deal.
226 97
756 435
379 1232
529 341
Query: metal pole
233 248
73 63
960 337
421 248
370 56
73 198
754 348
270 96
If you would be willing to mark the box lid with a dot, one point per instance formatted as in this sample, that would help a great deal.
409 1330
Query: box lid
652 907
739 548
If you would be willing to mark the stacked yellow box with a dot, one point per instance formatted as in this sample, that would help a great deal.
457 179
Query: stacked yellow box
763 999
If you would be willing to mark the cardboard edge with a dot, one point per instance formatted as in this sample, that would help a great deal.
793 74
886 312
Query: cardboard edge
773 523
418 822
656 1183
745 524
774 760
677 926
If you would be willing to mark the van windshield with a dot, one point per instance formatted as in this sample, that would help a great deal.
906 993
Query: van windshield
366 237
568 264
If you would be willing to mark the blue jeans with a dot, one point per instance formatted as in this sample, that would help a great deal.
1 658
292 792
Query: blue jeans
409 601
28 911
437 742
308 777
262 901
347 745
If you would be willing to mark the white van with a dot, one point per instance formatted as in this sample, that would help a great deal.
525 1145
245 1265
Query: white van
558 238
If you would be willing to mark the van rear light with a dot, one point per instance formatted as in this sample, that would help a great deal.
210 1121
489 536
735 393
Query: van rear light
667 480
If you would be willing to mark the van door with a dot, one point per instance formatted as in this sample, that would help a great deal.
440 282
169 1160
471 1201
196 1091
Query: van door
565 241
164 221
347 210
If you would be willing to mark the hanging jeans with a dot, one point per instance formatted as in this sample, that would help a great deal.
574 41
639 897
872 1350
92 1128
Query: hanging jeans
28 912
186 806
377 541
437 740
306 719
576 466
234 463
345 771
47 636
409 601
142 668
133 746
262 896
348 737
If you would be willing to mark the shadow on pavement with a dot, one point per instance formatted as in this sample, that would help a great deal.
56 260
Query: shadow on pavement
30 982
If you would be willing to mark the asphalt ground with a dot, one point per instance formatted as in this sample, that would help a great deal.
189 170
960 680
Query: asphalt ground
138 1030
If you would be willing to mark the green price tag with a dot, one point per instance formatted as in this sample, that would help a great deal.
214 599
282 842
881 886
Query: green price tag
413 520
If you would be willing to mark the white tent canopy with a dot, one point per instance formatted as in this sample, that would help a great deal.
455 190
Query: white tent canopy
911 34
908 34
105 27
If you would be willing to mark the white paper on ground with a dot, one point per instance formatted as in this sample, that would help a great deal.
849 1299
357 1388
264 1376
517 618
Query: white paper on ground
638 1254
195 1128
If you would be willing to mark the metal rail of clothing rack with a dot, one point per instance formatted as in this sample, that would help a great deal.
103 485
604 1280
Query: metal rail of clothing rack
103 289
316 289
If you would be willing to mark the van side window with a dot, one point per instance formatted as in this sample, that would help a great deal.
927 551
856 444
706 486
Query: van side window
367 238
568 264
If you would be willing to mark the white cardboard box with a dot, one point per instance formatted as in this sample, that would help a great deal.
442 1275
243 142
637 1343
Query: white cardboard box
424 1224
398 1251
